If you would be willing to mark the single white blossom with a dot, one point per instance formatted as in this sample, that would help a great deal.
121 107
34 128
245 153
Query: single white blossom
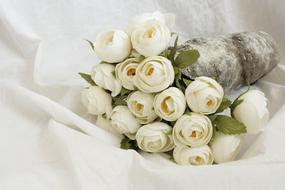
124 122
113 46
204 95
104 76
252 112
126 72
97 100
193 130
170 104
155 137
154 74
141 105
184 155
225 147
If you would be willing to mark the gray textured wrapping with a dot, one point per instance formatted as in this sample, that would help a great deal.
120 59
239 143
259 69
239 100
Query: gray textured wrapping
234 59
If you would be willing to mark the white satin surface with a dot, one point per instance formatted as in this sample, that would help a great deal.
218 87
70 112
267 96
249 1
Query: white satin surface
48 141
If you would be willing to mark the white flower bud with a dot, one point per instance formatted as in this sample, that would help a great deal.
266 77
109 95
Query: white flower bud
193 130
225 148
97 100
155 137
141 105
126 72
204 95
104 76
124 121
170 104
113 46
154 74
252 112
184 155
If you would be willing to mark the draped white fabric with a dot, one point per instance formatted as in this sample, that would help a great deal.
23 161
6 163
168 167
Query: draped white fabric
48 141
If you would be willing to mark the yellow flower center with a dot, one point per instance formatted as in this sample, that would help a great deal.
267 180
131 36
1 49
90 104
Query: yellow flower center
131 72
149 33
149 71
167 105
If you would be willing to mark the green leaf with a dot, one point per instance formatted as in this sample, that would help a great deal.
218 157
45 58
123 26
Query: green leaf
235 104
186 58
177 83
224 105
173 50
187 81
178 75
88 78
229 125
125 91
141 58
187 111
91 44
176 70
119 101
212 117
238 101
164 53
127 143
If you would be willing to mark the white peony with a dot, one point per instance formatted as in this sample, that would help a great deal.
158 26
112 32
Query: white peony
126 71
170 104
124 121
154 74
97 101
252 112
184 155
113 46
151 38
155 137
225 148
193 130
141 105
167 19
103 76
204 95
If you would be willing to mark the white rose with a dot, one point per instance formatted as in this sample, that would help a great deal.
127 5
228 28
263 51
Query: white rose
139 20
184 155
141 105
204 95
225 147
124 121
154 74
103 76
193 130
113 46
96 100
155 137
170 104
252 112
126 71
151 38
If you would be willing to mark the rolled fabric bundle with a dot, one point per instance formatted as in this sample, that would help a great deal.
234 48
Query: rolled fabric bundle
234 59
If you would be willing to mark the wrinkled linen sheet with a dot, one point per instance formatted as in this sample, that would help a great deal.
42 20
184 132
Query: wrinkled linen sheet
47 141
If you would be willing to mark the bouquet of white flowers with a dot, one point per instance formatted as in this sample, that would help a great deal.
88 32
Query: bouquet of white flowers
139 87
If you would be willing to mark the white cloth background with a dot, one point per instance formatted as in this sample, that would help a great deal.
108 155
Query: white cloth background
47 141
